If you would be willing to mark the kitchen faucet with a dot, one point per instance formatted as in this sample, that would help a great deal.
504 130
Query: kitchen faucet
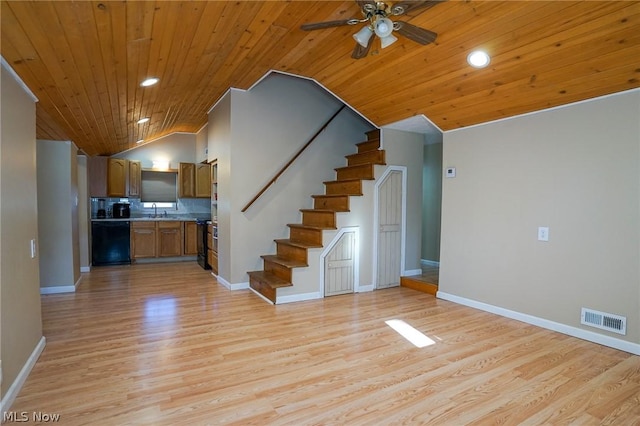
155 209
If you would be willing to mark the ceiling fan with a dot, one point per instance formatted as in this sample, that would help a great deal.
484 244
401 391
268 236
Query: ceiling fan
376 16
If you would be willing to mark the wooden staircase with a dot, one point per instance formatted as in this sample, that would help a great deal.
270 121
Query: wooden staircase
293 252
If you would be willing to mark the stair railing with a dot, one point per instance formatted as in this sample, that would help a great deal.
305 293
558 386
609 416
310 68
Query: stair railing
286 166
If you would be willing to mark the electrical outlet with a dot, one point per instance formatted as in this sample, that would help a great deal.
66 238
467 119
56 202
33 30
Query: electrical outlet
543 233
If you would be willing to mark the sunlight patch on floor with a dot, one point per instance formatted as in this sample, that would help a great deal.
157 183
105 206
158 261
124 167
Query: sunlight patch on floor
414 336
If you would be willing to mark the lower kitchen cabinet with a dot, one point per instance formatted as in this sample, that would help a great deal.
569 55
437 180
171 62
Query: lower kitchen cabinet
143 239
169 238
163 238
190 239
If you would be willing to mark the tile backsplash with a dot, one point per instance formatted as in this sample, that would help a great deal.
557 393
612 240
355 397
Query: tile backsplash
197 206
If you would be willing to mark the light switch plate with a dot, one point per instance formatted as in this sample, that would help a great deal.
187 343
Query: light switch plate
450 172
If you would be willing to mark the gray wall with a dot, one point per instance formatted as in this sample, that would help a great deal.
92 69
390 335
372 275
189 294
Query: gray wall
174 148
20 320
574 169
431 198
58 213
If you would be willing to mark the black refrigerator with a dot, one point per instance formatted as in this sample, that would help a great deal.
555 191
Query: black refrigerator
110 242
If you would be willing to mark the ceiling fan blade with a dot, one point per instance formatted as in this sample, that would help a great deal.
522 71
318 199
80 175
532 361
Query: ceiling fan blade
417 34
327 24
408 6
360 52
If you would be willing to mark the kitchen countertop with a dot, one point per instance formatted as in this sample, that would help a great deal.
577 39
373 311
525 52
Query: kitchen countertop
178 217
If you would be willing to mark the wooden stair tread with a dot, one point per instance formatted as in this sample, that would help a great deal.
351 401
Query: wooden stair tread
355 166
269 279
317 210
329 195
300 244
310 227
287 263
341 181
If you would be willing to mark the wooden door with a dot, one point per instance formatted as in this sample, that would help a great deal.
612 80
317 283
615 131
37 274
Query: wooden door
339 266
389 234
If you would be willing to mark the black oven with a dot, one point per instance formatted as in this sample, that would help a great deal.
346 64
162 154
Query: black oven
202 239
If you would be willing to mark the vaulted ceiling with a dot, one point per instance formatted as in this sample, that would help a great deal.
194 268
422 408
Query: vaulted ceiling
84 60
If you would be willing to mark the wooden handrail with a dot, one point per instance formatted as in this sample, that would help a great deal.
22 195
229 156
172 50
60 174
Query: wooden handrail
286 166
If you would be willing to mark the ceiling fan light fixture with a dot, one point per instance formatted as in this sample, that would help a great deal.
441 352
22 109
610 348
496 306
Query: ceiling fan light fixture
143 120
478 59
363 36
383 27
387 41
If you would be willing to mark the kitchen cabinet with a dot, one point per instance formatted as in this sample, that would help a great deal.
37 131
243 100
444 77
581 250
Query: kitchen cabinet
186 180
203 180
97 170
214 190
194 180
212 246
190 239
143 239
117 169
169 238
135 177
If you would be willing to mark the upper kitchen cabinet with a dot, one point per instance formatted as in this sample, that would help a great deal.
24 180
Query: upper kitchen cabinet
203 180
194 180
135 176
117 169
97 168
186 179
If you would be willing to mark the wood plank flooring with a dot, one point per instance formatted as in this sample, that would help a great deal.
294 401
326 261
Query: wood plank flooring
166 345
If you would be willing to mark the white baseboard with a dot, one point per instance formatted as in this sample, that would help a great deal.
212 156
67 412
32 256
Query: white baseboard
429 263
61 288
58 289
261 296
363 288
85 269
233 287
222 281
298 297
14 389
590 336
412 272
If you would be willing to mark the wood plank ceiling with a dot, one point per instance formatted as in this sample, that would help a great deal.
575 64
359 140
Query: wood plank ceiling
85 60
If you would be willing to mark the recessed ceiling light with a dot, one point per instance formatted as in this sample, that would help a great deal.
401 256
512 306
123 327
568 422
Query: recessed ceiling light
478 59
149 82
143 120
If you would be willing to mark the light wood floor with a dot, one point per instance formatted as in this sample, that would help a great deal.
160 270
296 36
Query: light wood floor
167 345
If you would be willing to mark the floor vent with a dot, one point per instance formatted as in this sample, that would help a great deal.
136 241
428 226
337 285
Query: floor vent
609 322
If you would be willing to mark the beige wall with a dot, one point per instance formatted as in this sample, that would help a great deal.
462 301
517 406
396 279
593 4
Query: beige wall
58 214
574 169
20 320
